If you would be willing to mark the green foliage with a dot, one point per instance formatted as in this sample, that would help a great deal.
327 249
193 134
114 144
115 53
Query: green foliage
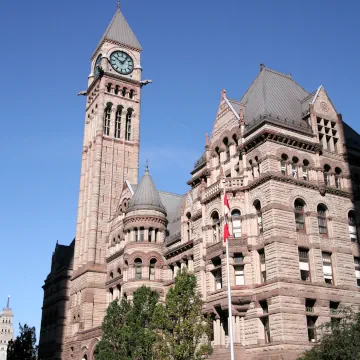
184 332
23 347
127 328
340 340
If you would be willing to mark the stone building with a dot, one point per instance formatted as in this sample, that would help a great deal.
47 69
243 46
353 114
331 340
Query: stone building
56 295
6 329
291 170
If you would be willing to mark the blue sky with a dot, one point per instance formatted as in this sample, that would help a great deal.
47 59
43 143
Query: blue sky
191 50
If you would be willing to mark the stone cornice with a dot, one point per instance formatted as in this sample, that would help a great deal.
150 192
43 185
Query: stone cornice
280 138
88 268
114 256
146 219
178 249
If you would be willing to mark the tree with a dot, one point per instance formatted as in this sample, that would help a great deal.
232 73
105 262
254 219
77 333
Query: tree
23 347
339 340
128 333
184 332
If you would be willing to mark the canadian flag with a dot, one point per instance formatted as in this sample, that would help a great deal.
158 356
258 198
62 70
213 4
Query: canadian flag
226 211
226 205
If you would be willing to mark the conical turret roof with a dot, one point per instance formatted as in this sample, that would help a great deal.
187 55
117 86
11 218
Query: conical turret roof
120 32
146 197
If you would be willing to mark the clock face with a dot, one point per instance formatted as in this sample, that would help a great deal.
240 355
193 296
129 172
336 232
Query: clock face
122 62
97 65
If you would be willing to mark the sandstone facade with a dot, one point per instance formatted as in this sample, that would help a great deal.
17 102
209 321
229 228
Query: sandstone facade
290 167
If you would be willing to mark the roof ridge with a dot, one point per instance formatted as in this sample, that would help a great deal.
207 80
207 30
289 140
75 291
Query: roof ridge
308 96
170 193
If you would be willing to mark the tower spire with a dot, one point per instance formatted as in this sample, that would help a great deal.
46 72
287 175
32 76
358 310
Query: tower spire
118 5
8 302
147 166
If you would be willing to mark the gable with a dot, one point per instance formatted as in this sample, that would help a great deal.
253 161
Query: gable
323 106
226 118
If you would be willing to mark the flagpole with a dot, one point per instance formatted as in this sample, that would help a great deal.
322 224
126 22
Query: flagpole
229 291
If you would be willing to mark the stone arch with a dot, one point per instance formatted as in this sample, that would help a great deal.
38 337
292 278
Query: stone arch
298 194
154 255
92 348
257 195
137 254
215 206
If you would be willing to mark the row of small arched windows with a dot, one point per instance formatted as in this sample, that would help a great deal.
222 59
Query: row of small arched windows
117 124
296 165
226 143
138 269
120 91
322 211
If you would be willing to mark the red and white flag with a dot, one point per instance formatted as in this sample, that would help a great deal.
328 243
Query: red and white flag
226 211
226 205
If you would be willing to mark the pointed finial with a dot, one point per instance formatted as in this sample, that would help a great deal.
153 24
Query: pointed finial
118 5
8 302
147 166
207 139
223 93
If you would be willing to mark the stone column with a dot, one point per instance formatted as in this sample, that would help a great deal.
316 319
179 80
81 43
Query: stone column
217 333
222 333
234 328
238 330
153 236
146 235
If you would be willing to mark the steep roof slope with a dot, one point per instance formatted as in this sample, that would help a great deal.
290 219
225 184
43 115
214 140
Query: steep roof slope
146 195
120 32
273 93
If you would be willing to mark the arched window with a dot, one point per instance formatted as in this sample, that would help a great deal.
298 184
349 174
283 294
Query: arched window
326 175
257 206
118 122
236 140
294 167
150 234
136 235
283 163
257 164
116 90
123 92
111 294
128 125
111 275
138 269
236 223
305 170
352 226
118 291
188 227
108 87
156 235
337 177
215 226
321 215
227 148
85 357
107 117
217 151
299 215
152 269
131 94
118 271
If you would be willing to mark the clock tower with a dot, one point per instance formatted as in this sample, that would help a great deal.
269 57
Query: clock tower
110 157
